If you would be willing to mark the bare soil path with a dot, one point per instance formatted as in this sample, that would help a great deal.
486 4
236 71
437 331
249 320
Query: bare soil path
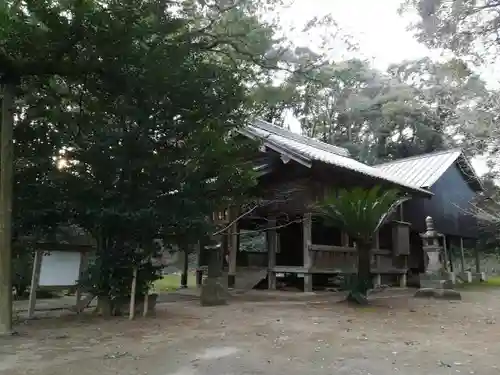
398 335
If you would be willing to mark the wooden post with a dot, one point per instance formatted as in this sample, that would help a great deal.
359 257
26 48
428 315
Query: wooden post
35 278
462 256
6 186
377 279
83 266
449 252
199 272
272 247
185 266
445 255
232 247
403 279
478 260
306 234
146 303
133 288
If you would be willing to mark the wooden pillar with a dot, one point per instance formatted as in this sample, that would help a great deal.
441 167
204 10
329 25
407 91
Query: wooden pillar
306 234
462 255
232 247
272 247
377 278
376 245
403 278
133 289
199 272
478 260
81 270
449 252
35 279
445 255
185 266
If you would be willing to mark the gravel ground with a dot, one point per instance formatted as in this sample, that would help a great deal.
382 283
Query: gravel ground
397 335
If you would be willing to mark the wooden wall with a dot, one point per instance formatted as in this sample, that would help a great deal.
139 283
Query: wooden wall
447 207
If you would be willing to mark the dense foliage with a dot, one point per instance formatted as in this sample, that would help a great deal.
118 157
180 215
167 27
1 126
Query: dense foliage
360 213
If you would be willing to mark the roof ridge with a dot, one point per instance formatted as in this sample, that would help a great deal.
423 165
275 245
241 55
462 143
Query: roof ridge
421 156
341 151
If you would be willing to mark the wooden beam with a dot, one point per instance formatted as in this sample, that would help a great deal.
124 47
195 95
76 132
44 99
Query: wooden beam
306 236
345 249
336 271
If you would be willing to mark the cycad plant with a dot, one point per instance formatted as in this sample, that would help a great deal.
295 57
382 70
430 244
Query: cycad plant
360 213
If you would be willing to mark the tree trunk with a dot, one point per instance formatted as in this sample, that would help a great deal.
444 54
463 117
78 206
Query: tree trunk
363 282
6 185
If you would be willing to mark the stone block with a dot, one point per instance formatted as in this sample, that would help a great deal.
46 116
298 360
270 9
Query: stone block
451 277
377 280
214 292
466 276
431 282
481 276
447 294
403 280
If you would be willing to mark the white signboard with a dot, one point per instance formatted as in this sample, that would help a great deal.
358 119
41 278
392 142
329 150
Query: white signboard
60 268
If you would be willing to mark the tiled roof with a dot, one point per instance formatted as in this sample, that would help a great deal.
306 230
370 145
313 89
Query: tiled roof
424 170
305 150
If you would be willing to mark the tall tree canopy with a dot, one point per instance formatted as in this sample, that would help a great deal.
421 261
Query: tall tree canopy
127 115
468 28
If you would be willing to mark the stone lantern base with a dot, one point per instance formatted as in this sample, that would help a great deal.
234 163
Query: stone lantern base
447 294
435 282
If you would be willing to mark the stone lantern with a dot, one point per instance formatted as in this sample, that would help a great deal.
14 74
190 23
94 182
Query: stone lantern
213 290
434 282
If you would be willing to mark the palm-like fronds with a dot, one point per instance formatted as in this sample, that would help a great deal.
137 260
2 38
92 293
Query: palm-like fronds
359 212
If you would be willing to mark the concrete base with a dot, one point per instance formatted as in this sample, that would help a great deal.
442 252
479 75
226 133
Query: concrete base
231 281
447 294
481 276
308 283
466 276
199 277
403 280
213 292
451 277
377 280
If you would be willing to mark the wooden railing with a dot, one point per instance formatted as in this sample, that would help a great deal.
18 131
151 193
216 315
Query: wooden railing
345 257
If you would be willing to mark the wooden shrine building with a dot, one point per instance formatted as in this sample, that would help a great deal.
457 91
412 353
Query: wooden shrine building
296 171
454 184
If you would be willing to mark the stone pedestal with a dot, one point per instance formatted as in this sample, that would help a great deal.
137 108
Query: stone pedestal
435 281
403 280
214 289
481 276
466 276
214 292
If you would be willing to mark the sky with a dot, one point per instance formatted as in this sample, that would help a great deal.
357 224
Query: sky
381 34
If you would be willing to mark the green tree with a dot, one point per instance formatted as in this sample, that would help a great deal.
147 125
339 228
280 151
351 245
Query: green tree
467 28
360 213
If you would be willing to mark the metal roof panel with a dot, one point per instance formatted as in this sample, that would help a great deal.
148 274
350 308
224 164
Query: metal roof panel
304 149
423 170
